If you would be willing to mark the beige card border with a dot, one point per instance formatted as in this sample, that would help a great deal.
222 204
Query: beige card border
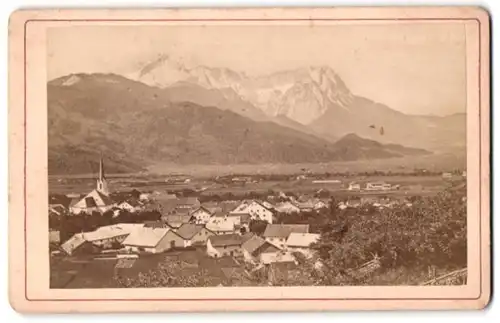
28 264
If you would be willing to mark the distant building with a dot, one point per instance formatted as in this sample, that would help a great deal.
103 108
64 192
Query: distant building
464 173
224 245
287 208
378 186
354 186
327 181
319 204
447 175
256 210
277 234
131 205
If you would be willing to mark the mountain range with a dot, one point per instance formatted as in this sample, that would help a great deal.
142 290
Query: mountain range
314 97
196 120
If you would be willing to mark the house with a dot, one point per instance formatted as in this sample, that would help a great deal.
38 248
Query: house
319 205
224 224
256 210
250 246
201 215
176 220
224 245
96 201
132 205
151 240
353 186
301 242
378 186
257 250
287 208
277 234
464 173
267 205
194 234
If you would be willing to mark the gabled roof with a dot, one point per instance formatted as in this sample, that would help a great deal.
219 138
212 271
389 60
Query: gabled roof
284 230
253 244
145 237
72 243
303 240
202 208
226 240
266 247
111 231
131 202
188 230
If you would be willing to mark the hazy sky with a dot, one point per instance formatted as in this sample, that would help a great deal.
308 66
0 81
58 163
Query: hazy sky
414 68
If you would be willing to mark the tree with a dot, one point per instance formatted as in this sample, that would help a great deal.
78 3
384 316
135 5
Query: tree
430 232
258 226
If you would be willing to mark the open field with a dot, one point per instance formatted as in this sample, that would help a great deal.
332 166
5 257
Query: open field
408 184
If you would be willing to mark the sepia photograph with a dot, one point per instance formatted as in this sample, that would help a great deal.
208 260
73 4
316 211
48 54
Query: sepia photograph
256 154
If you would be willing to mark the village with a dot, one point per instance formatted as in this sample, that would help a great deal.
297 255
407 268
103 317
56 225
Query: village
123 229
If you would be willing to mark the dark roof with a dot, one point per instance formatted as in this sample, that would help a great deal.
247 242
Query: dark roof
155 224
90 202
284 230
202 208
226 240
266 247
188 230
176 218
254 243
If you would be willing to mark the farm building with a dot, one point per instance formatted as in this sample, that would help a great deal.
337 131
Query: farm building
224 245
194 234
151 240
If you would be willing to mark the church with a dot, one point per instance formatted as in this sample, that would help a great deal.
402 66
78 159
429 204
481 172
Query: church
96 201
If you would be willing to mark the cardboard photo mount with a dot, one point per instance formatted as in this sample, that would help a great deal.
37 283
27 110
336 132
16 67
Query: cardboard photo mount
28 248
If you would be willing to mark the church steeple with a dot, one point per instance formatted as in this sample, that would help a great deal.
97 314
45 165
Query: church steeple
102 184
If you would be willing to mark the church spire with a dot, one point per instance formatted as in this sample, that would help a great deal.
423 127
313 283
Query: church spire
102 184
101 170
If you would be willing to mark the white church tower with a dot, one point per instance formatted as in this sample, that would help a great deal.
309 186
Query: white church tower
102 184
